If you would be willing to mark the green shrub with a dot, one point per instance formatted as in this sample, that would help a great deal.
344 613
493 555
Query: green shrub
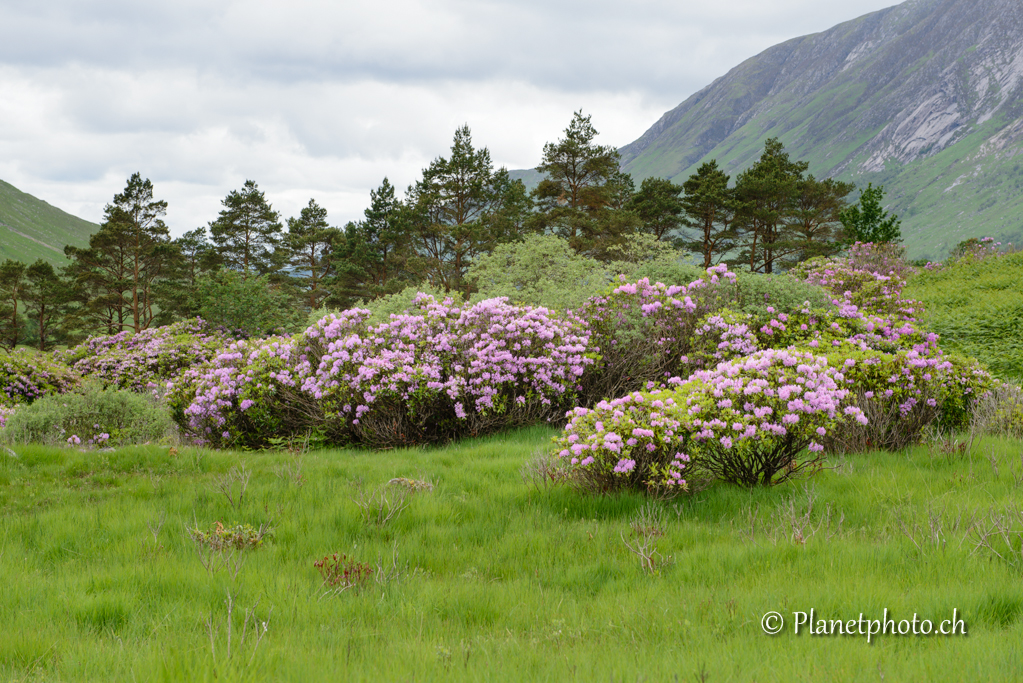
541 270
785 294
245 306
1000 412
91 416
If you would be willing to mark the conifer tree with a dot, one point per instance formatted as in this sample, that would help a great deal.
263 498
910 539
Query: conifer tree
248 232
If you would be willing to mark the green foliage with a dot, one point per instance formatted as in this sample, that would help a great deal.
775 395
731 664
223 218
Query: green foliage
659 205
238 537
540 270
12 298
868 221
583 195
245 306
117 276
372 259
311 242
782 293
976 305
709 207
543 270
91 415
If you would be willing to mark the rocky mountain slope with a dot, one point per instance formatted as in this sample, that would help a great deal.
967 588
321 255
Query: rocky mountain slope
31 229
925 98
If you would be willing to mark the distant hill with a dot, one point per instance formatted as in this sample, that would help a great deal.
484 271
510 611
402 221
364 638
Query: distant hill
31 229
925 98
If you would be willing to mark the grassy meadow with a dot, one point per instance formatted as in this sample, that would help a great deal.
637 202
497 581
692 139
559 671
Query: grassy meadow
495 576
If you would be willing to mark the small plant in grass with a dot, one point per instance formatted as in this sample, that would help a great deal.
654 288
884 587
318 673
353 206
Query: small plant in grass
253 631
647 525
1000 412
341 572
411 485
91 416
237 537
222 547
383 504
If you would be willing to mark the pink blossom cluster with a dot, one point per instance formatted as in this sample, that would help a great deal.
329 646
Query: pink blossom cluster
447 372
26 375
5 413
745 421
633 441
871 280
644 331
145 360
247 394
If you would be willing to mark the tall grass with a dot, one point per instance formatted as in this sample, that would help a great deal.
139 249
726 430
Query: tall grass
489 577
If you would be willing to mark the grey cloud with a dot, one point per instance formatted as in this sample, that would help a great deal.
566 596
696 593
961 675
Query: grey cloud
323 99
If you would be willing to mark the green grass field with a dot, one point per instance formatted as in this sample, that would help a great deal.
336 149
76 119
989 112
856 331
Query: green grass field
493 578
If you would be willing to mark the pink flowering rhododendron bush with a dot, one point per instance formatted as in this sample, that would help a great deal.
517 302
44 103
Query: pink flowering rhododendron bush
636 441
756 420
871 278
643 331
26 375
146 360
446 373
246 396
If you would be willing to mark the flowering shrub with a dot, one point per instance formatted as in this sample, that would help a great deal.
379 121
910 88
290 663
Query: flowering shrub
746 421
635 441
246 396
5 413
752 417
871 279
148 359
415 379
450 372
643 331
904 391
26 375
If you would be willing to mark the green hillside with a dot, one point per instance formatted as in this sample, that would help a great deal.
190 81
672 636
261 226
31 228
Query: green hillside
31 229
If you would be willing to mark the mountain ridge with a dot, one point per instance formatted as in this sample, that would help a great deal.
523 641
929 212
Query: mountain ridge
925 97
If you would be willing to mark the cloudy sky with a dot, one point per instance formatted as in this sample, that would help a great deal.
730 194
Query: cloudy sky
324 98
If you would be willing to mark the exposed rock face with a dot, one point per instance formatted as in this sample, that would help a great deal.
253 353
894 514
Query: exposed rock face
870 97
910 78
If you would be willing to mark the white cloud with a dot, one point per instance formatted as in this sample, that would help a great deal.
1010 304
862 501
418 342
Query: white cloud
323 99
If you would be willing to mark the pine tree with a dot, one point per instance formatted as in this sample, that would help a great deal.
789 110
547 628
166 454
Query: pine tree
583 195
12 301
46 304
311 240
454 208
709 211
248 232
868 221
765 198
372 257
117 275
